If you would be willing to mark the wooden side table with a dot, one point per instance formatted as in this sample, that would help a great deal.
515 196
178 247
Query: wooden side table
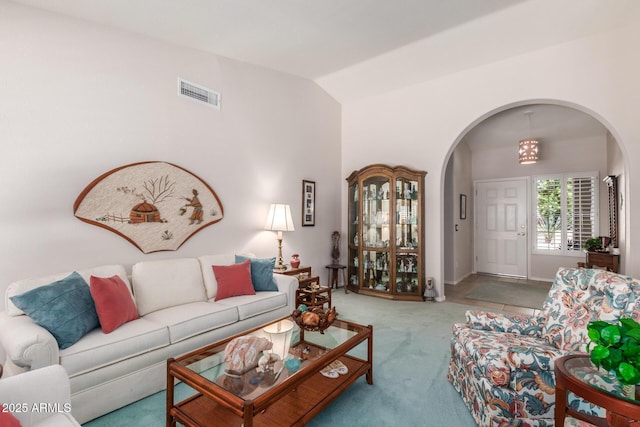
572 373
300 272
333 275
603 259
314 297
311 294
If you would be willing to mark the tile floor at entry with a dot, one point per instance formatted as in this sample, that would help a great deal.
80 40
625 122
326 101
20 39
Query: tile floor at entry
456 293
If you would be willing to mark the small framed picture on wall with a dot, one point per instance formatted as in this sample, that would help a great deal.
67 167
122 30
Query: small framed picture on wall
308 203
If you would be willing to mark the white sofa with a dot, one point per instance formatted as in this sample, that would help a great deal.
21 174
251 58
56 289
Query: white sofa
39 398
178 314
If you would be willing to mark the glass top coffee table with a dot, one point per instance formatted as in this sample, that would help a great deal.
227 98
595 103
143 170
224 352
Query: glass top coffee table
282 396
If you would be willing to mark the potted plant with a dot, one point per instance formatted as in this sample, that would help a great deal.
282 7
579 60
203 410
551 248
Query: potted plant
592 244
617 350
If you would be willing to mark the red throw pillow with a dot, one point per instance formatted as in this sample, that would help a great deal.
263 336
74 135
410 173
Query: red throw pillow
113 301
233 280
7 419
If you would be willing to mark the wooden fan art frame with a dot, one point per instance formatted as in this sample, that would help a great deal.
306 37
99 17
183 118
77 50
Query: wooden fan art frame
156 206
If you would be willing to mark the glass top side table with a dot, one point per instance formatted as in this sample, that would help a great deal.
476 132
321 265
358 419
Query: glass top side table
578 375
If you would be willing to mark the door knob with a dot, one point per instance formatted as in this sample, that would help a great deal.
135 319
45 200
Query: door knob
522 233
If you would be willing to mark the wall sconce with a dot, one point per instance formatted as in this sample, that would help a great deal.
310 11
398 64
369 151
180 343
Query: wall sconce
279 219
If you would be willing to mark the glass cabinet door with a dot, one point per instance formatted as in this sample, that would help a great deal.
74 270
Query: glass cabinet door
353 237
376 270
407 211
407 273
407 237
375 212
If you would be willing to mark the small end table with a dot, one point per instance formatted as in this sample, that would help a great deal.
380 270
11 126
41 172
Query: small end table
300 272
314 297
572 375
333 275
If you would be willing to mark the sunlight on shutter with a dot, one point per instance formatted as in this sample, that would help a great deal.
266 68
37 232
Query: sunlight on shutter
581 211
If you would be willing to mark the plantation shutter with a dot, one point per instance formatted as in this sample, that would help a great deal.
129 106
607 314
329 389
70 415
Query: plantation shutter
581 211
566 212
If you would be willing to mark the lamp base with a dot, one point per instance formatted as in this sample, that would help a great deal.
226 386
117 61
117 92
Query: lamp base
279 264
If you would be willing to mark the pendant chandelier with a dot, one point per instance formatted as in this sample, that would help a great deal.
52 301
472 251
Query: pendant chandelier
528 149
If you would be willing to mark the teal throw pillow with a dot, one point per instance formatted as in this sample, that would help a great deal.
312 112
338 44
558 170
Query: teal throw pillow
65 308
261 273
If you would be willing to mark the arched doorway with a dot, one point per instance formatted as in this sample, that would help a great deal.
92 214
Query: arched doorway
572 139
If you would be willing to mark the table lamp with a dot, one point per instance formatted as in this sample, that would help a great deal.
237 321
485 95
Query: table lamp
279 219
280 334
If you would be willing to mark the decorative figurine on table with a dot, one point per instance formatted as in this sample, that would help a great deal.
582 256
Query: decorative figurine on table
335 249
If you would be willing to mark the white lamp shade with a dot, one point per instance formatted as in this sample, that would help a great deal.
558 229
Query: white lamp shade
279 218
280 334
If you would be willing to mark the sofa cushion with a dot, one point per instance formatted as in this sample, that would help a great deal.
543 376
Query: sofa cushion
114 302
21 286
98 349
64 308
233 280
167 283
261 273
253 305
206 261
195 318
579 296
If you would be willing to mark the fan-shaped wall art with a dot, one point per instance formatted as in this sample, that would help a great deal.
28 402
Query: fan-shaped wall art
157 206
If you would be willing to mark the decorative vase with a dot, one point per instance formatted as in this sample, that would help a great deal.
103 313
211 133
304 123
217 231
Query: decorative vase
295 261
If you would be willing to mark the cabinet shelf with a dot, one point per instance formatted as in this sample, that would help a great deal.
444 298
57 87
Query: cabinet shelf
386 220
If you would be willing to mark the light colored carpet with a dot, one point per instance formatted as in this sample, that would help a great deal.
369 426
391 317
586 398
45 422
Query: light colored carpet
410 388
510 293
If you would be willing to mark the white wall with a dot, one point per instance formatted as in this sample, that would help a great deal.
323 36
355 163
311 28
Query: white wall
418 125
463 235
78 99
615 166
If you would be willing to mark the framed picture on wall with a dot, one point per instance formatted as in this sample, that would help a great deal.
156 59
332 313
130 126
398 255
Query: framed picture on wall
463 206
308 203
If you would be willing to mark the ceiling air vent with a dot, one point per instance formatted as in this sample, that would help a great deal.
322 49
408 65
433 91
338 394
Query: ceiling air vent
199 93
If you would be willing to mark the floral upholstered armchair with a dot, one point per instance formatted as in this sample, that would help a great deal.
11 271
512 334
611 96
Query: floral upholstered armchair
502 365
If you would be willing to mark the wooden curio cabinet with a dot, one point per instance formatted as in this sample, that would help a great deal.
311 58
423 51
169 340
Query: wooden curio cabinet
385 232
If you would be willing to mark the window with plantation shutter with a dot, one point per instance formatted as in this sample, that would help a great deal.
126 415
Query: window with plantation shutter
566 212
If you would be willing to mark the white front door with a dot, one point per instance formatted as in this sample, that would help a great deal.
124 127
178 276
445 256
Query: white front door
501 227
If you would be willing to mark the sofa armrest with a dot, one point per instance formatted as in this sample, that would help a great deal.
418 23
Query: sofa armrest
288 285
500 322
27 344
38 395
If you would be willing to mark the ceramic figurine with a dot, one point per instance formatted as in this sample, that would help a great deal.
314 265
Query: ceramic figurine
335 248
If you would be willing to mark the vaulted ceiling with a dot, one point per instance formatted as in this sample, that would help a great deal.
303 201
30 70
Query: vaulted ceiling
356 48
337 42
